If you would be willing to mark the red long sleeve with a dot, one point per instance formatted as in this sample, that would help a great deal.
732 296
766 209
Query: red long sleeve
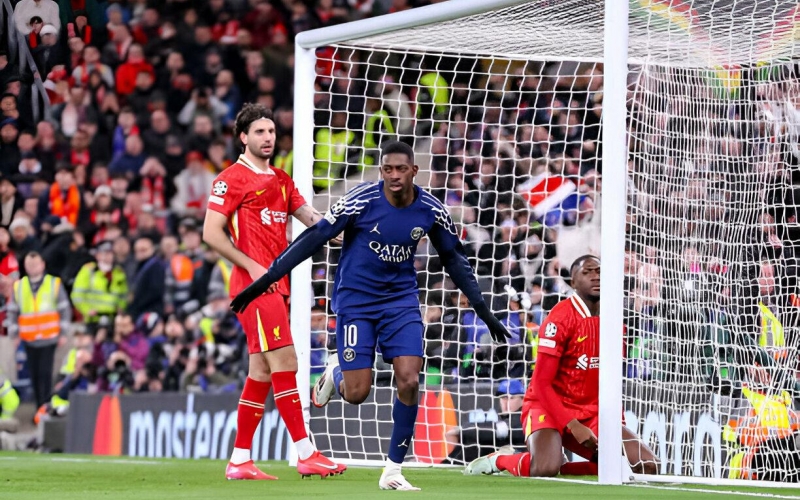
543 376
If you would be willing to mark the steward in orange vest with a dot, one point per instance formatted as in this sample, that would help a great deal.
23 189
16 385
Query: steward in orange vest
39 313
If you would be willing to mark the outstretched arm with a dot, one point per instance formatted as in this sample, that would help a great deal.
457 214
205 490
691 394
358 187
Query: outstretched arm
451 252
306 245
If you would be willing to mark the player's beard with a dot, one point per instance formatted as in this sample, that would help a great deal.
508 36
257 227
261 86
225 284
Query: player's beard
256 151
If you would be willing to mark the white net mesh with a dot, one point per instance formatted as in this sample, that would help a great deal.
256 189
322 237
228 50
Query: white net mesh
504 112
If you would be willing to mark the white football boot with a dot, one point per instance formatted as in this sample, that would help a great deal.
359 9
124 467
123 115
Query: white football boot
487 464
324 388
392 479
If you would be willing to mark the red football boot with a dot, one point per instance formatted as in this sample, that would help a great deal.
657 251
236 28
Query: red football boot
247 470
319 465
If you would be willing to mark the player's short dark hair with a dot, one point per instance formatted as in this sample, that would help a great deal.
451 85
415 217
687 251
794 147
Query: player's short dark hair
250 112
579 262
390 147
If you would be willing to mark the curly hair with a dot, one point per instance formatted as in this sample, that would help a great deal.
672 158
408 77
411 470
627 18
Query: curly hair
250 112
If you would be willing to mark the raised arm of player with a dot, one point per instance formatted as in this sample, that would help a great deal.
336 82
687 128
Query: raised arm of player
451 252
553 336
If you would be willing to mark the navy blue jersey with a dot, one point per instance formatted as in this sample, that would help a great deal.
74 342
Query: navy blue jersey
376 268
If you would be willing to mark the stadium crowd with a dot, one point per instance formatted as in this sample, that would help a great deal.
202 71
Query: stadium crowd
107 189
110 189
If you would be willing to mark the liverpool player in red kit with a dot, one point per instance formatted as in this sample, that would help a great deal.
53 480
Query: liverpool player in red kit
560 408
254 201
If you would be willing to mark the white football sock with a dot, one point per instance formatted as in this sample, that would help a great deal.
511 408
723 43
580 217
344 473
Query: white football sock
304 448
392 465
240 456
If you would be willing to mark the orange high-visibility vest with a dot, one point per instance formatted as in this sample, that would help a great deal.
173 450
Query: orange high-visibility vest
182 268
38 314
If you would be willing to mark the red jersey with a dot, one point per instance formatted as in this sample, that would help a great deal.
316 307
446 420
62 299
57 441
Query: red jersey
572 334
258 205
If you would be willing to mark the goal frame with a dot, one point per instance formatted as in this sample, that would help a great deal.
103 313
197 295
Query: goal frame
611 470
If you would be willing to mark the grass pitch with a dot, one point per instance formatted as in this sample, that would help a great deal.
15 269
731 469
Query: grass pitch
25 476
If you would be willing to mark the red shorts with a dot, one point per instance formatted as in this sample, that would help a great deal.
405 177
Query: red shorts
535 418
266 323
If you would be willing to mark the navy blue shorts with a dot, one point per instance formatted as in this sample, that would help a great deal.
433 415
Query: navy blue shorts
397 331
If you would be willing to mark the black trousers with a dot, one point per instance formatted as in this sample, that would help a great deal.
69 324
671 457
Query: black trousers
40 366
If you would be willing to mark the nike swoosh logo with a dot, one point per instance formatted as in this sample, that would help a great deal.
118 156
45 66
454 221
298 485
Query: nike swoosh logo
259 193
295 401
329 467
581 339
252 473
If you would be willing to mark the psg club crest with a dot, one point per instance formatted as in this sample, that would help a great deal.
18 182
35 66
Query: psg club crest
417 233
349 354
220 188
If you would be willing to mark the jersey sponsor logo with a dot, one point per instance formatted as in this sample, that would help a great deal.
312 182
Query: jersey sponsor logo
582 338
551 330
547 343
349 354
220 188
216 199
269 216
585 362
375 229
392 253
417 233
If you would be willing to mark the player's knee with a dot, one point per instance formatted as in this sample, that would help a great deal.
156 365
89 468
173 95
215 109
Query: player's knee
647 467
408 386
545 468
260 374
356 396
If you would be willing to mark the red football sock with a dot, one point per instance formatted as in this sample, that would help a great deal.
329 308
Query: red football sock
250 411
287 400
579 469
518 465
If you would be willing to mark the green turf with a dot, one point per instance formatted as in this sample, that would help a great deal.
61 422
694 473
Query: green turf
59 477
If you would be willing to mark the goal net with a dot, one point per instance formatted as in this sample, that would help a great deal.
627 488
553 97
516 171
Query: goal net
504 111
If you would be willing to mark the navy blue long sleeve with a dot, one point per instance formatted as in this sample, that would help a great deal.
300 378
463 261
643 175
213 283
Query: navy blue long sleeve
454 259
306 245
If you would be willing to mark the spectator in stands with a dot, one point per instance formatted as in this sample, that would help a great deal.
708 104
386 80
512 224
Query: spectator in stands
63 198
11 201
193 186
73 114
128 72
131 162
23 240
49 55
39 314
101 287
45 10
148 283
90 63
155 137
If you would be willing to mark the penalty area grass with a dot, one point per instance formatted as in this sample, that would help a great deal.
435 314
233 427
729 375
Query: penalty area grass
27 476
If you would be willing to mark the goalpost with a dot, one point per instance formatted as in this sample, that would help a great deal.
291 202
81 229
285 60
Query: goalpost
698 151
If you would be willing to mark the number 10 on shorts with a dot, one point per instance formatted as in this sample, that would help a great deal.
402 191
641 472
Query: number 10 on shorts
350 341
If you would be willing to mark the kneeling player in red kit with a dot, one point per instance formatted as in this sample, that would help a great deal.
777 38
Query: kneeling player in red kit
560 408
